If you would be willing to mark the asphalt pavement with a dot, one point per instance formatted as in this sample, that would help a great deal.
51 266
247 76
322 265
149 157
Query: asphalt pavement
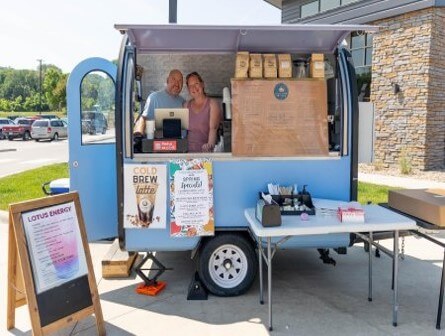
17 156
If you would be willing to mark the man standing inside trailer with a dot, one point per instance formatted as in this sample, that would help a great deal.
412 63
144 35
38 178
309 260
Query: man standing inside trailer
165 98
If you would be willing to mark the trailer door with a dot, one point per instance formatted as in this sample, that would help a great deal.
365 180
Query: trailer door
92 144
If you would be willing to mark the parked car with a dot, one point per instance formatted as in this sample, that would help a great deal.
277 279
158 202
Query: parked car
13 117
98 121
51 129
46 116
3 122
21 129
87 127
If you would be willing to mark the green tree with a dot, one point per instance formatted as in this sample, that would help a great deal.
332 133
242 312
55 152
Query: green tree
16 104
54 88
4 104
32 103
15 83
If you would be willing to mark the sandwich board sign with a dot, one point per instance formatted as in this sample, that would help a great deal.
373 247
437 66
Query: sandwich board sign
49 264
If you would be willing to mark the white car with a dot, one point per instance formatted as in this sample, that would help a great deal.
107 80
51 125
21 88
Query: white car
4 122
51 129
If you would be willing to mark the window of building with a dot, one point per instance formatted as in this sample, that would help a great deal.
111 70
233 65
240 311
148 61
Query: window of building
328 4
309 9
360 45
315 7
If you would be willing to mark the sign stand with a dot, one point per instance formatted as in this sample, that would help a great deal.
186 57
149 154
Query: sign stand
66 303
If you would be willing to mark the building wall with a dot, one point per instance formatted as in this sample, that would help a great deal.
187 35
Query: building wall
408 51
291 10
360 11
435 147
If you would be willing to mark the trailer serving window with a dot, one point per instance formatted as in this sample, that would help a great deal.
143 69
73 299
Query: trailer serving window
212 53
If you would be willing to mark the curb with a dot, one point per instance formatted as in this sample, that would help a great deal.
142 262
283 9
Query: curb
8 150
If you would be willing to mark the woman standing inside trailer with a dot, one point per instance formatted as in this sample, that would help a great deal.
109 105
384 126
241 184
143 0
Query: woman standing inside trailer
204 116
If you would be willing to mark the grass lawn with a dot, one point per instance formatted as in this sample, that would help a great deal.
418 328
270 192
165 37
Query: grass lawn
373 193
30 114
28 185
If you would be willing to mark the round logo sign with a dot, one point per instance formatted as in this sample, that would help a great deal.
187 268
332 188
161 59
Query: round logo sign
281 91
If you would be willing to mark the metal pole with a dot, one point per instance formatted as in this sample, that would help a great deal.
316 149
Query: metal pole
172 11
370 267
40 85
260 265
395 278
269 280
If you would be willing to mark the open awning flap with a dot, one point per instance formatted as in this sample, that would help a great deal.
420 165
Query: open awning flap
199 38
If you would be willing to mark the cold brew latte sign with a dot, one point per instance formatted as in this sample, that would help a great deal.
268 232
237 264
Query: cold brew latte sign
145 198
55 245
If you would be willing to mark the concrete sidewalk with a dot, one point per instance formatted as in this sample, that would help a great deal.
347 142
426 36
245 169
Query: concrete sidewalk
310 298
397 181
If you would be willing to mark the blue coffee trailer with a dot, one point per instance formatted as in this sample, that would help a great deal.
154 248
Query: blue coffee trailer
100 163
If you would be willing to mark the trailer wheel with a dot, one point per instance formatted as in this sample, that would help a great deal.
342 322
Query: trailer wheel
227 264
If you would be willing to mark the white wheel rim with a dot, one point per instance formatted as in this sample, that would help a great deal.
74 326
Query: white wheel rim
228 266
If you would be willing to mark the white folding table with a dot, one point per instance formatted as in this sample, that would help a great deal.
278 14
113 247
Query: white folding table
377 219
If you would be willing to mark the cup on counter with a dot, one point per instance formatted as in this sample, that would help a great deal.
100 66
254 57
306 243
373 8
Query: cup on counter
150 129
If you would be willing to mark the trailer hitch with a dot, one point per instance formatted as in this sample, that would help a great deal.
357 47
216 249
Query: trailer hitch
159 269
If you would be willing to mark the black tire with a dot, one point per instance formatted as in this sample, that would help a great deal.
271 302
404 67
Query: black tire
238 267
10 138
56 137
26 136
37 140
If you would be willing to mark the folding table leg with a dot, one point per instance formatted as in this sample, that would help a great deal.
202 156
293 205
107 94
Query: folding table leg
269 280
395 277
439 309
370 267
260 266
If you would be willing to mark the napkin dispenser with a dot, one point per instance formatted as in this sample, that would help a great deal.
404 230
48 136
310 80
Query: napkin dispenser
268 214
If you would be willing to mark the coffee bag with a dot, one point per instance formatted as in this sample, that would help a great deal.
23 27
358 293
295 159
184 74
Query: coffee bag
317 66
284 66
270 66
256 66
242 64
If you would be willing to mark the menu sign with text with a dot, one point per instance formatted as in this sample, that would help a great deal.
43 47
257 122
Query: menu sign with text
55 245
191 198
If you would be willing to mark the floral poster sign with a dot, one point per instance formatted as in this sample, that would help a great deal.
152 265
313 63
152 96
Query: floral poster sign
191 198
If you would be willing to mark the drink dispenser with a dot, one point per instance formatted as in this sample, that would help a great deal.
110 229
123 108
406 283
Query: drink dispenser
227 109
227 122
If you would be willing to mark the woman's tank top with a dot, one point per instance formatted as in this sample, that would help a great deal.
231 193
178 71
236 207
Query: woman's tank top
199 121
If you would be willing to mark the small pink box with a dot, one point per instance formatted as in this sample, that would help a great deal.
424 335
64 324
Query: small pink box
351 215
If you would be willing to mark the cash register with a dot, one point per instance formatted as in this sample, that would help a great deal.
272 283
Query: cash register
170 134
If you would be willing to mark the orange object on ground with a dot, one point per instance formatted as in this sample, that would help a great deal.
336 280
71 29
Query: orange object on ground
151 290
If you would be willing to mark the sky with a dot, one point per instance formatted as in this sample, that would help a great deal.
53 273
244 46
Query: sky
65 32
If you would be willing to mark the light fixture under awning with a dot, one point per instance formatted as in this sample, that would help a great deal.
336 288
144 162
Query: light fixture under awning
200 38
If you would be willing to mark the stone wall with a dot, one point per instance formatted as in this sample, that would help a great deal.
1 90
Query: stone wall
409 51
435 146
